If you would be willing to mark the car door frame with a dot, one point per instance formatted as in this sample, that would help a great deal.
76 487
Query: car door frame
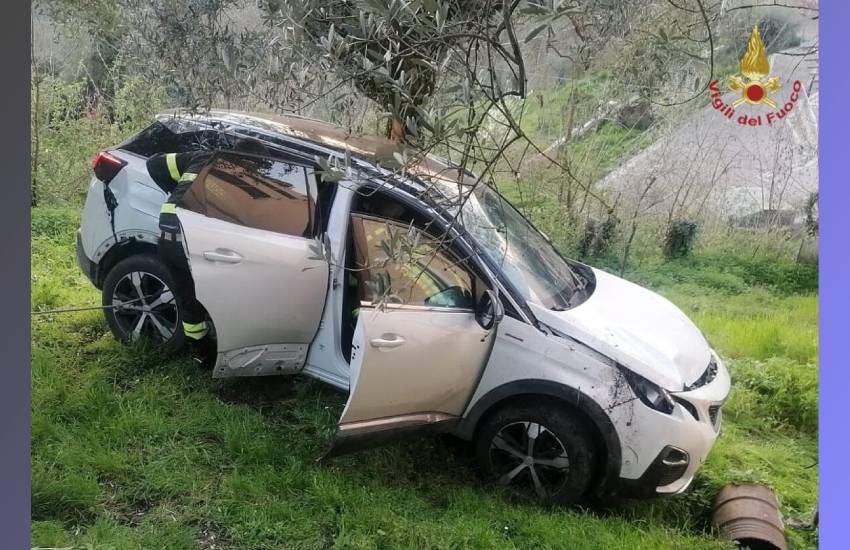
374 432
273 358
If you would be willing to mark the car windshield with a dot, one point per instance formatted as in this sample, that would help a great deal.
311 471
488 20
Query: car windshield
524 256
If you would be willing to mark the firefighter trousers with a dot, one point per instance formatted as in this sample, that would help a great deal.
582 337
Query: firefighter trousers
192 314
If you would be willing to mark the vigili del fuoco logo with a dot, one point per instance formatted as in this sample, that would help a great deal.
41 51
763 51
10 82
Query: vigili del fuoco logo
755 85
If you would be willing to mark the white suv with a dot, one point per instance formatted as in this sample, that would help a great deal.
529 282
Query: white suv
437 309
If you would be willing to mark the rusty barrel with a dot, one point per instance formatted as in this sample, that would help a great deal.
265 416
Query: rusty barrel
750 515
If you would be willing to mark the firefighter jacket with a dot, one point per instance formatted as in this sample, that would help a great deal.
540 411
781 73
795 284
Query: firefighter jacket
174 174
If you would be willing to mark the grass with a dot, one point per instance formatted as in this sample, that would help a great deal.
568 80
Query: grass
131 449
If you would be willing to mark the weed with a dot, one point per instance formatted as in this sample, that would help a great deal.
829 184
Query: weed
133 449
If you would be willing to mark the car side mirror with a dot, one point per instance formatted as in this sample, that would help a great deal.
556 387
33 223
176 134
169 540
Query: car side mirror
489 312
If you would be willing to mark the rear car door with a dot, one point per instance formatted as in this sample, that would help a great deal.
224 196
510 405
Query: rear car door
252 237
418 351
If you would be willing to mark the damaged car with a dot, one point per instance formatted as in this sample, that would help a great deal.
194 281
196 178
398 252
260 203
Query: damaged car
431 300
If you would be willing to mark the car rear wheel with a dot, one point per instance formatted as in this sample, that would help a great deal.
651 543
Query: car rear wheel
539 451
142 304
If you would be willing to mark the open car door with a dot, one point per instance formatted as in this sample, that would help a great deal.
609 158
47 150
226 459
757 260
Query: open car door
249 225
418 349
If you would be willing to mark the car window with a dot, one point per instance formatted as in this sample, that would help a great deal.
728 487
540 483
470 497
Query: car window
399 264
257 192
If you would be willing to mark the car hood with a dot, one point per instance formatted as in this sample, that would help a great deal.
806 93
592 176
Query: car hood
636 327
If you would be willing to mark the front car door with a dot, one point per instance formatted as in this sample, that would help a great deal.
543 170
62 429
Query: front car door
250 230
418 351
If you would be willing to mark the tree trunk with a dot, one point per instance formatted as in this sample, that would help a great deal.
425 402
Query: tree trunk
396 130
35 82
627 249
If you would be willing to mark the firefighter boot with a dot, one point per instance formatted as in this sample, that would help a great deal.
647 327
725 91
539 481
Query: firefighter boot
204 351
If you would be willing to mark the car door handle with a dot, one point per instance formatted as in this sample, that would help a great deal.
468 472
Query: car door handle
387 341
223 255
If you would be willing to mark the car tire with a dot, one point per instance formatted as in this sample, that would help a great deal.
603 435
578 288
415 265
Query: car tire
563 453
154 315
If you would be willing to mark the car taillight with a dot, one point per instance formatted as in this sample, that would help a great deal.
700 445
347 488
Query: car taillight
106 166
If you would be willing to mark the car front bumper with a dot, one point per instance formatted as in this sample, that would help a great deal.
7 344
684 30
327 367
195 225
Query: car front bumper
670 448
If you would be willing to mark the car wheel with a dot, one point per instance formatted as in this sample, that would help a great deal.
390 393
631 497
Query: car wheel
139 291
541 451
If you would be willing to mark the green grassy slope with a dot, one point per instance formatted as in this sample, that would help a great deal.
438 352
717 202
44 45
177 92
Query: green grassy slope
134 450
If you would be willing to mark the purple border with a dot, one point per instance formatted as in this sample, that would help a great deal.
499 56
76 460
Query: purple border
15 278
834 283
834 270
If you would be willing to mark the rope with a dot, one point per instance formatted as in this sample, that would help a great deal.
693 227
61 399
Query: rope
91 308
70 309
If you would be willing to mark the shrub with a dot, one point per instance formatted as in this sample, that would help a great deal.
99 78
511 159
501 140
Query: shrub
783 276
69 127
680 239
54 222
585 244
597 238
779 389
778 34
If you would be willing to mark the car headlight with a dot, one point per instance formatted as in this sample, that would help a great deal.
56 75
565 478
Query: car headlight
652 395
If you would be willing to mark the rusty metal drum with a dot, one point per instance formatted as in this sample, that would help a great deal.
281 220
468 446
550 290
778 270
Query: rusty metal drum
750 515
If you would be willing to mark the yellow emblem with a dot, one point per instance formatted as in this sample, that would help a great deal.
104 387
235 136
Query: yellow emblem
755 67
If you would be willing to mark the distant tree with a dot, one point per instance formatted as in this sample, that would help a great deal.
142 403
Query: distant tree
103 23
811 209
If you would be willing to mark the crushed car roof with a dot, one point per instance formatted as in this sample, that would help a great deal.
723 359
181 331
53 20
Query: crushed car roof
379 153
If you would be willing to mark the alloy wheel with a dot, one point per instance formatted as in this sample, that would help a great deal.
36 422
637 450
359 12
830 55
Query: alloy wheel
144 306
528 458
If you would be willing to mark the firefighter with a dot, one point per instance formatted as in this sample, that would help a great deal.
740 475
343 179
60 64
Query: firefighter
174 173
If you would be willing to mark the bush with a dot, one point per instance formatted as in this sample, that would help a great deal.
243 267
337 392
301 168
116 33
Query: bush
779 389
597 238
69 127
679 239
778 34
783 276
730 274
54 222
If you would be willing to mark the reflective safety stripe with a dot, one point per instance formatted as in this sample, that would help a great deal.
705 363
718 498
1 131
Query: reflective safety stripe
195 331
168 208
188 176
171 161
171 236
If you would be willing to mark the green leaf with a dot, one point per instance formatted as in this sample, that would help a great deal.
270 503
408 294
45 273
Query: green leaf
534 9
530 36
423 63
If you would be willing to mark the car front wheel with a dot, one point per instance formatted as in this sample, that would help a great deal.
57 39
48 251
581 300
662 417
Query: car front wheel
541 451
140 303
